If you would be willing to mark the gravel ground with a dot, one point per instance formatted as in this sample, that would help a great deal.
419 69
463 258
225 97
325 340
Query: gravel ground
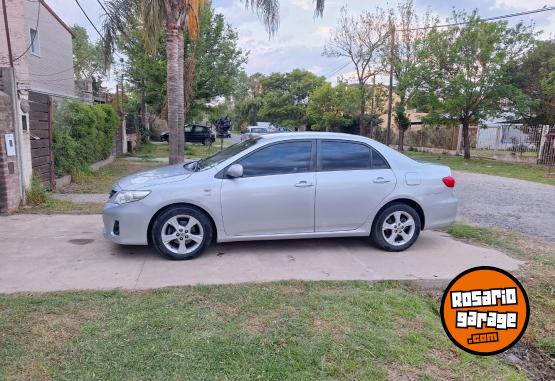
502 202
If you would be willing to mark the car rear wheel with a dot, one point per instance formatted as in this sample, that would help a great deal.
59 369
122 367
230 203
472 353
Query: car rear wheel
396 227
181 233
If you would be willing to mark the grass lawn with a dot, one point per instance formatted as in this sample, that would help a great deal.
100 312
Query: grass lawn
530 172
102 180
192 150
286 330
54 206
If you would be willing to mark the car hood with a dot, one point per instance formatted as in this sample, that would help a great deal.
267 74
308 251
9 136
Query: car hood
153 177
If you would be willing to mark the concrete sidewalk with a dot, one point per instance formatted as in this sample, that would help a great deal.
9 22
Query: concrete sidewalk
67 252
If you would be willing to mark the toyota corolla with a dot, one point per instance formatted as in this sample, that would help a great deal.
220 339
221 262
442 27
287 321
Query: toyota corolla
283 186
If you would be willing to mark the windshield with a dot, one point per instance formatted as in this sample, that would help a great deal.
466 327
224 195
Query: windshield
221 156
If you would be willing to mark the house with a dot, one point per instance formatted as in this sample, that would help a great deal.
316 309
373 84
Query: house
36 64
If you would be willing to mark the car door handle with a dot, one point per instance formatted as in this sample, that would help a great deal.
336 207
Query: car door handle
303 184
381 180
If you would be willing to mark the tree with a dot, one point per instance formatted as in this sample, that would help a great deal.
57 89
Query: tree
535 76
361 40
404 60
285 96
88 61
212 62
464 71
332 108
169 18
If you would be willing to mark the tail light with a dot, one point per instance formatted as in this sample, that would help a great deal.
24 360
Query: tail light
449 181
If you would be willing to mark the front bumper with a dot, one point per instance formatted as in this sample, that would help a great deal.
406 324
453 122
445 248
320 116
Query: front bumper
131 221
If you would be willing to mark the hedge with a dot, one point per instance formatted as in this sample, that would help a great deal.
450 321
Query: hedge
83 134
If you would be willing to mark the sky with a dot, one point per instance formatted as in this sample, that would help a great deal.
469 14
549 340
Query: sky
300 39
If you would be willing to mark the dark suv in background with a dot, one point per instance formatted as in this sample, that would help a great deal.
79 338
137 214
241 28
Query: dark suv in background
194 133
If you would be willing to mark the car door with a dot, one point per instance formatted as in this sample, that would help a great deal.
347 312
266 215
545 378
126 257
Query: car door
352 180
188 133
275 195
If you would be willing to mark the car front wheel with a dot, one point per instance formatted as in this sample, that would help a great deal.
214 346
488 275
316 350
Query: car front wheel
396 227
207 142
181 233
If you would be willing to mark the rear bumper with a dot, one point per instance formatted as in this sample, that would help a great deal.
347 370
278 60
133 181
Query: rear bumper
440 210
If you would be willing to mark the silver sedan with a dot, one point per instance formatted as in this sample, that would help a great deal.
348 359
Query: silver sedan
283 186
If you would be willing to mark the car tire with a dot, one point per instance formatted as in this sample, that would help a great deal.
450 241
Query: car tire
182 224
207 142
396 227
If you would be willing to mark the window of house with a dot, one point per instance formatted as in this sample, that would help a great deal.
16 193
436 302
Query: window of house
35 45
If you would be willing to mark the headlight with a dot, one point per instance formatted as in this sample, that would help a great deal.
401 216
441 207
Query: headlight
123 197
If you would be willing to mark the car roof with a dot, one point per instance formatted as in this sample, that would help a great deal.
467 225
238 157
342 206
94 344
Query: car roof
314 135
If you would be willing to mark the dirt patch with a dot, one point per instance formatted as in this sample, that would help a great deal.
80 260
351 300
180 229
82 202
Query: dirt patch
533 361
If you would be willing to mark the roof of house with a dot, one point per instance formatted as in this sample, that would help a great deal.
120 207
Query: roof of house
62 23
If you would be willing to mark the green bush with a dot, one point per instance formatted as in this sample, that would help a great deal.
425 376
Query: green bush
83 134
36 194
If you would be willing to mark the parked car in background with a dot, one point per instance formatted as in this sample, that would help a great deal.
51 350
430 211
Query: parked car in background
280 129
194 133
253 131
283 186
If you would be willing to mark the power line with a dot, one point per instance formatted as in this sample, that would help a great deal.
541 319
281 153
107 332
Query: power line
338 70
33 37
523 13
88 18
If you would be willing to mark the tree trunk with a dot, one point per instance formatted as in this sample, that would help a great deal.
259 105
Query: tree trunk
144 117
362 120
401 147
466 137
181 132
174 95
188 77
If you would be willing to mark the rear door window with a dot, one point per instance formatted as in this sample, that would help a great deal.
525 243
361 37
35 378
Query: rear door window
344 156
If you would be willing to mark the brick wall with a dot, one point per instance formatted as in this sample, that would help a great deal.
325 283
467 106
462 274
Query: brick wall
10 196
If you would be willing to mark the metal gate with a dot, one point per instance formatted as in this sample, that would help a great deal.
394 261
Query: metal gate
40 129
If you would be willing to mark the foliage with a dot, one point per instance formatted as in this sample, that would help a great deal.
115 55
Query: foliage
401 118
217 59
88 60
332 108
279 98
463 71
83 134
535 75
36 194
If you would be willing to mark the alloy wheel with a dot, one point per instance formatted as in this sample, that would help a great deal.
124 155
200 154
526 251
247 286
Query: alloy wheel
398 228
182 234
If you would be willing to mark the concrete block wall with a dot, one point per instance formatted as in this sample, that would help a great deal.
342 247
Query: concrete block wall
10 189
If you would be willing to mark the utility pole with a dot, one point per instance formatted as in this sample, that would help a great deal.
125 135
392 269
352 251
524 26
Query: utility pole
9 41
390 96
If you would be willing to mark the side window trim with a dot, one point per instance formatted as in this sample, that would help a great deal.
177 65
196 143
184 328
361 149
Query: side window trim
372 151
312 167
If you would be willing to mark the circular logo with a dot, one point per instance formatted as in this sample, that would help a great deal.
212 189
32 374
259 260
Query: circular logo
485 310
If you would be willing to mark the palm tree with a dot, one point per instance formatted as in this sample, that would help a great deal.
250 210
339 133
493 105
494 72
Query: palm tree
171 18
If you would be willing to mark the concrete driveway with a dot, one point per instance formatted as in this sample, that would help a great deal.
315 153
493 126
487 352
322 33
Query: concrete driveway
65 252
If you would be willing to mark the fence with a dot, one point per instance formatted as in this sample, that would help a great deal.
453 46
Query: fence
506 142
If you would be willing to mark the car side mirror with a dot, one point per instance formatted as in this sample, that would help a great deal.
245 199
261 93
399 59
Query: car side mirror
236 170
